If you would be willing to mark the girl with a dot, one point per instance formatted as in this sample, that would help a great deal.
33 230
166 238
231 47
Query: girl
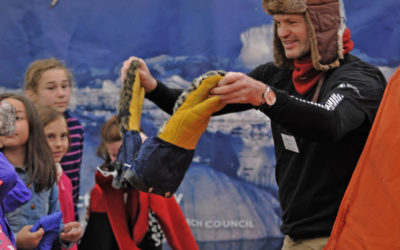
56 133
48 83
130 219
10 185
28 151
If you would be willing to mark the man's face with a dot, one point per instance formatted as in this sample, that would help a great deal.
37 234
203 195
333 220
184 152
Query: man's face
292 30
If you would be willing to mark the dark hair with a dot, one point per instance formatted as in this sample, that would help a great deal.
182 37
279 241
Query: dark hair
110 132
38 157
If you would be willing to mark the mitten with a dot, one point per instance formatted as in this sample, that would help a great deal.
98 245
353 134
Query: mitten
192 112
51 226
131 100
129 115
162 161
7 118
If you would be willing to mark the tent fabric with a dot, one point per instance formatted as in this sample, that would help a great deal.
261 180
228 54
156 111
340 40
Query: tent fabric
369 215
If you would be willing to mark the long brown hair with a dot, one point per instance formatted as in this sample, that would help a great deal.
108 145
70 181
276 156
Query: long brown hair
48 115
38 157
109 133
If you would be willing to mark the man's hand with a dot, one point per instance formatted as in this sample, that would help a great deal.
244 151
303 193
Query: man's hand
239 88
148 82
72 232
27 239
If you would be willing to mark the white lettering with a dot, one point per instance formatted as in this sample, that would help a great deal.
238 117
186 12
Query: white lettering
209 224
178 197
194 223
212 224
84 200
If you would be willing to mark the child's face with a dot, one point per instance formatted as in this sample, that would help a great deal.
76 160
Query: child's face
21 135
53 90
112 149
56 133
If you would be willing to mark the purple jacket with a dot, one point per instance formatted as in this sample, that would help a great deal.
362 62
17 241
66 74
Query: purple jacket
13 193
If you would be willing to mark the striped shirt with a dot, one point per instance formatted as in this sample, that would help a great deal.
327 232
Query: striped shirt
71 162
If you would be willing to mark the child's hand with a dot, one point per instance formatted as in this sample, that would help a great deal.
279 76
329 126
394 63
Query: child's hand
27 239
72 232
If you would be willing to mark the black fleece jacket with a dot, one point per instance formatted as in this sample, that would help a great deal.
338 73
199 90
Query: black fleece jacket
328 135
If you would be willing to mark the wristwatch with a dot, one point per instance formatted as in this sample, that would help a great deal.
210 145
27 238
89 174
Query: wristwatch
269 96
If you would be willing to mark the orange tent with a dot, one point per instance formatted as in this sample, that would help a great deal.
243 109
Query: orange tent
369 215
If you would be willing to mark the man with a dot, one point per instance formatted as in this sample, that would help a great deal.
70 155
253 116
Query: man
321 101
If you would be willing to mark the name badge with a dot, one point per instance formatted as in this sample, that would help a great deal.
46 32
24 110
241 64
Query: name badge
290 143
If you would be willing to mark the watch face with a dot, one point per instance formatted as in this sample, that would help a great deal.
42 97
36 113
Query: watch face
270 97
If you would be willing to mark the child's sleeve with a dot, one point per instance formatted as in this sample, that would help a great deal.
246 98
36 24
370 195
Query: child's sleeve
8 176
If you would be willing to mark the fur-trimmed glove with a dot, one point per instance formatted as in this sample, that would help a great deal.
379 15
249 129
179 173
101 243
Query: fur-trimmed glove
162 161
192 112
129 116
131 100
7 118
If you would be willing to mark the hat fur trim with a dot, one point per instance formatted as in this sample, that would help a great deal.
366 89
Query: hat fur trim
284 6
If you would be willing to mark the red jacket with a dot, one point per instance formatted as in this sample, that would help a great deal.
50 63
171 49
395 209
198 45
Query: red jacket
106 199
66 201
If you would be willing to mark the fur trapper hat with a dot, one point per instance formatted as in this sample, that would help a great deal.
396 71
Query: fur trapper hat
325 25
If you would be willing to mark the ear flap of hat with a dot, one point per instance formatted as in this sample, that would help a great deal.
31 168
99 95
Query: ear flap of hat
323 24
280 59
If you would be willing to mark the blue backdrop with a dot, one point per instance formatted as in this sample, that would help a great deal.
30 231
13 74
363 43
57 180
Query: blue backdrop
229 195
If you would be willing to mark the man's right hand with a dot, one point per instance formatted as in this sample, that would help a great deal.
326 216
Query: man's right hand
148 82
237 87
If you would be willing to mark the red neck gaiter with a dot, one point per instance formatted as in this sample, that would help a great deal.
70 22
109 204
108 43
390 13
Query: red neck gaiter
305 76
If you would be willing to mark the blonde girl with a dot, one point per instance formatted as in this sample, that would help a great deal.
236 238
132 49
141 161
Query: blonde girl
48 82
